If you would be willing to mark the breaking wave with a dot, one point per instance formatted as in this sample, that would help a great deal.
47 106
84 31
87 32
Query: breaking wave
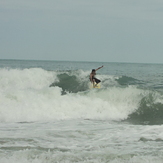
36 94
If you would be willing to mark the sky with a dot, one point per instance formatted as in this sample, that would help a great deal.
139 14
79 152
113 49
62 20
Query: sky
82 30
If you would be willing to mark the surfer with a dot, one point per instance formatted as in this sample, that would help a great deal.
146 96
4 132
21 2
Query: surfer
94 80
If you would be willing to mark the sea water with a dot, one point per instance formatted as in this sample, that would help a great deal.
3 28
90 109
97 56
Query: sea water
49 114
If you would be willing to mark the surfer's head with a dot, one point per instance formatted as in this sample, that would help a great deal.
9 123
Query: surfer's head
94 71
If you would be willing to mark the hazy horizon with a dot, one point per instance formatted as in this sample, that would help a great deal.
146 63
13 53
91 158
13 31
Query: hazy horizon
80 61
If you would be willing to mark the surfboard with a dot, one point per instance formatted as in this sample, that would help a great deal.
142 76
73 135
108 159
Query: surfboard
95 86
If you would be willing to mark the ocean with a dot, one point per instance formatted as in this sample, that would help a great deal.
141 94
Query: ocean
49 114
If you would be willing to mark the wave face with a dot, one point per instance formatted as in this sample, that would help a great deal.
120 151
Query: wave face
71 82
36 94
150 110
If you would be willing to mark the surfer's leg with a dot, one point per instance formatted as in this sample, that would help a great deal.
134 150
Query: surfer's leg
93 83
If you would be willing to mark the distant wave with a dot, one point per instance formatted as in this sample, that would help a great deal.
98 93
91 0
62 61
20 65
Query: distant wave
126 80
38 95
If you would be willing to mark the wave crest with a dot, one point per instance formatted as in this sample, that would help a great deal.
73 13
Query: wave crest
26 96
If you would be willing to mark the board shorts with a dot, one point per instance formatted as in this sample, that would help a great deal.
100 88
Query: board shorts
97 80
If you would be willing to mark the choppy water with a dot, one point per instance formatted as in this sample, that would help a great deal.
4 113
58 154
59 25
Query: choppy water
48 112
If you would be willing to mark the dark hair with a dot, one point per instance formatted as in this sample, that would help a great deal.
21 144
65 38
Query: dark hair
93 70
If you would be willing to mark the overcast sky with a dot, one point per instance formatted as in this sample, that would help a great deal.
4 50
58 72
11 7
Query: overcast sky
82 30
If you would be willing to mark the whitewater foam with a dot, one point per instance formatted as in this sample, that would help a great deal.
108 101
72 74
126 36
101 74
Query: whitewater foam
36 78
26 96
48 104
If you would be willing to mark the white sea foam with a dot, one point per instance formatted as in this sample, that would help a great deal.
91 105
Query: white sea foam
27 78
26 96
50 157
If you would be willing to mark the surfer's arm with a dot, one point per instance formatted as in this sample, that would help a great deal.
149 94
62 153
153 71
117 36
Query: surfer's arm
99 68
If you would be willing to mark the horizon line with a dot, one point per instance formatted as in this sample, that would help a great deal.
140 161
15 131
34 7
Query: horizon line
48 60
